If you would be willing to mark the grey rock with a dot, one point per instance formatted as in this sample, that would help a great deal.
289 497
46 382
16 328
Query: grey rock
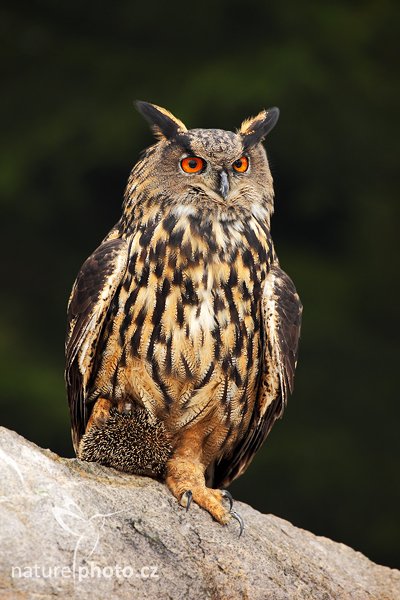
71 529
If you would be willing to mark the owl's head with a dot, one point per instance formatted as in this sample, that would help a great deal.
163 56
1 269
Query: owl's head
209 168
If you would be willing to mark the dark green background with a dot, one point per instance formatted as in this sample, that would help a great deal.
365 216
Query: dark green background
70 74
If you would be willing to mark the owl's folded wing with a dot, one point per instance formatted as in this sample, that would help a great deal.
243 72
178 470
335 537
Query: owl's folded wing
281 318
88 305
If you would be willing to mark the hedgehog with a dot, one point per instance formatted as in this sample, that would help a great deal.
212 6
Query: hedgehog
129 442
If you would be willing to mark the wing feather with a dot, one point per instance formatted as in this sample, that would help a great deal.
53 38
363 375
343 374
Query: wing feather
281 318
90 299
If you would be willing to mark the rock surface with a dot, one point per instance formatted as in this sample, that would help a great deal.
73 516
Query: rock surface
71 529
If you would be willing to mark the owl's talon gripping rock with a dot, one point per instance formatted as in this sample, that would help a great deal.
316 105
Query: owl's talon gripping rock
239 519
229 497
186 499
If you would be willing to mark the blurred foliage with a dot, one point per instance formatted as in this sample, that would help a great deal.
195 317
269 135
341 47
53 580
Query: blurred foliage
70 72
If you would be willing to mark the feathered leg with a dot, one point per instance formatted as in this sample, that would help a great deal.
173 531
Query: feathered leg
186 478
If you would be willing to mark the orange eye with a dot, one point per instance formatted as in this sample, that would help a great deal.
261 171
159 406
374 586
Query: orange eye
193 164
241 165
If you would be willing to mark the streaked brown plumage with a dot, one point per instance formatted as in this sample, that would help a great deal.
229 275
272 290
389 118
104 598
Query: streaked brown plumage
183 309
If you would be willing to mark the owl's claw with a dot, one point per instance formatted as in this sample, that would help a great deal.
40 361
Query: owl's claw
239 519
233 513
186 499
229 497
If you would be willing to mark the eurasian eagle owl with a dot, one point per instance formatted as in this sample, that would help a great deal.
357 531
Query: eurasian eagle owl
183 328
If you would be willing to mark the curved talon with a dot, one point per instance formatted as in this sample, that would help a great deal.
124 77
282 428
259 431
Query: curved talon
229 497
188 496
239 519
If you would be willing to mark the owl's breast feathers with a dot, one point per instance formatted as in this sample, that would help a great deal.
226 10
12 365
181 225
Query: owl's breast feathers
186 334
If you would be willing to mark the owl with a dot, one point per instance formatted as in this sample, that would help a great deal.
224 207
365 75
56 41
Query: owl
182 327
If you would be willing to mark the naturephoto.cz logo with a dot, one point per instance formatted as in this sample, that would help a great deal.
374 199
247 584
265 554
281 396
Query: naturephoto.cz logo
89 571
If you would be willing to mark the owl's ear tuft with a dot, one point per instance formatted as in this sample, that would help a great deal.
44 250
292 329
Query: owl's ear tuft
254 129
163 123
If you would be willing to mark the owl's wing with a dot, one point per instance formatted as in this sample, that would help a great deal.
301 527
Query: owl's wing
281 319
88 305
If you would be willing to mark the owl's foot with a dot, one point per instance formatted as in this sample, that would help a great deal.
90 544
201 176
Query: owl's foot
185 479
186 500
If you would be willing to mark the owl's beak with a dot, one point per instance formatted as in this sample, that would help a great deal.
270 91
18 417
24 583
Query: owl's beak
224 184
